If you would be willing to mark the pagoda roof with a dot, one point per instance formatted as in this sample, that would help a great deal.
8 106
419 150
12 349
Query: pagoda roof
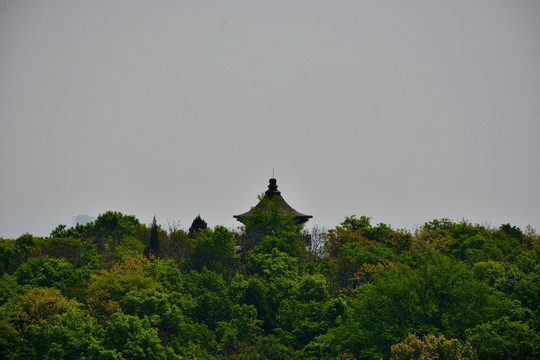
270 194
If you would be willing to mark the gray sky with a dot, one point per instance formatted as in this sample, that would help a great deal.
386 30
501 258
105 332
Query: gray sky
404 111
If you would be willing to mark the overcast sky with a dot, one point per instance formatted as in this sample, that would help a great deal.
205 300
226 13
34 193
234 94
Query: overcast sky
404 111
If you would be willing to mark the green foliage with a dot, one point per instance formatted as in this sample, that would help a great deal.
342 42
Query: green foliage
269 223
14 253
11 342
109 228
356 264
197 224
77 232
176 245
50 272
25 241
360 230
352 223
72 335
213 249
312 288
243 327
129 246
153 245
39 305
259 294
286 242
504 339
432 347
302 315
91 292
59 232
434 294
209 292
194 341
9 288
10 256
133 338
337 238
107 288
71 249
273 264
491 272
474 243
166 272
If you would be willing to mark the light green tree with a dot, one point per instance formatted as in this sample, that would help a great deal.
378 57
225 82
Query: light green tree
134 339
432 347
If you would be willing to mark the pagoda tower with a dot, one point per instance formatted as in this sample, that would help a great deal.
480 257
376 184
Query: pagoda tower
270 194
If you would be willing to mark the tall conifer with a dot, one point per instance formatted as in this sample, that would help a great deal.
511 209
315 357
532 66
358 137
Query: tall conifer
197 224
153 244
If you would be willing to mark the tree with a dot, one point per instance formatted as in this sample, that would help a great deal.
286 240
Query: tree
316 248
107 288
213 249
356 263
359 229
258 294
59 232
243 327
70 336
90 292
68 248
338 237
153 245
14 253
197 224
504 339
275 275
432 347
209 292
49 272
272 265
40 304
177 246
303 315
109 229
269 223
134 339
11 342
353 223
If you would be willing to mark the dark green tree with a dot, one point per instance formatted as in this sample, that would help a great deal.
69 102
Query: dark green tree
197 224
153 245
71 335
49 272
505 339
11 342
109 229
269 227
134 339
354 223
213 249
59 232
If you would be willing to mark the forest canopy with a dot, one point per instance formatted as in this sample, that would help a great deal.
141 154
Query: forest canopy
117 288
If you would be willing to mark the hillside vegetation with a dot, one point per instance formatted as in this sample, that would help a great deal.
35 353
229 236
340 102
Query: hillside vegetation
120 289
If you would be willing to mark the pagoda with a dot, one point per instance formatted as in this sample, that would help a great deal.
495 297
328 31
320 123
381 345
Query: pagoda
270 194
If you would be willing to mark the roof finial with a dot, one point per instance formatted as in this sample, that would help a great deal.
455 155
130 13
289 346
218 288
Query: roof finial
272 173
272 188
